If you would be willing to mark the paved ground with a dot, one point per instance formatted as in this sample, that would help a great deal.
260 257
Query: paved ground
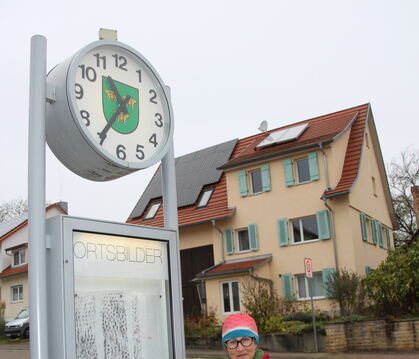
19 350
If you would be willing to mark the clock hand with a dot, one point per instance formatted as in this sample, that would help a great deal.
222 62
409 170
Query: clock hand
116 93
120 109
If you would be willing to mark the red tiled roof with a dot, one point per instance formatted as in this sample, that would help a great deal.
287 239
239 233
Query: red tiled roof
9 271
321 129
235 267
23 224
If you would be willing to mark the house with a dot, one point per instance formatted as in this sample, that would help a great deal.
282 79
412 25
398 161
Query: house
14 285
257 207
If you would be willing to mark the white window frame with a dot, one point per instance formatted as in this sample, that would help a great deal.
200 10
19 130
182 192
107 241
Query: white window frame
230 289
239 250
19 293
205 197
296 171
21 253
153 210
306 283
256 170
302 231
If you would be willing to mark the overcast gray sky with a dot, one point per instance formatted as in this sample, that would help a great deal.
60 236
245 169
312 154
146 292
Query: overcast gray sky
230 65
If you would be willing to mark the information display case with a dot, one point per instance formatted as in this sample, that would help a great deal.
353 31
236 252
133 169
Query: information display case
109 290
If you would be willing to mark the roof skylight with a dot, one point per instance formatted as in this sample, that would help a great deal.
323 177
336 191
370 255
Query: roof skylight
281 136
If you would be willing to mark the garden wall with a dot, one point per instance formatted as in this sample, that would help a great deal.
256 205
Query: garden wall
340 337
372 335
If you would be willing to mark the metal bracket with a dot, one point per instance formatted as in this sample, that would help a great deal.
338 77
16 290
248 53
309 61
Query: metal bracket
50 96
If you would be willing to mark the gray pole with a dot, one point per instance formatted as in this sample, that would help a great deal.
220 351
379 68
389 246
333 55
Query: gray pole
316 346
171 222
36 199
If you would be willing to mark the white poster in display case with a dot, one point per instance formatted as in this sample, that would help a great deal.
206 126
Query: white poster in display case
115 296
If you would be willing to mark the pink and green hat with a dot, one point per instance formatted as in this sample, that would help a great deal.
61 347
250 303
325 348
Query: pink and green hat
239 325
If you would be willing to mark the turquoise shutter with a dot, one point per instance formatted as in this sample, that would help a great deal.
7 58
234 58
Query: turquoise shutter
282 231
289 175
243 183
266 178
380 234
287 286
388 238
228 233
313 167
327 275
374 231
368 270
364 228
253 235
323 224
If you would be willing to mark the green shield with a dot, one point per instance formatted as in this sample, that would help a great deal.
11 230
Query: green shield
126 122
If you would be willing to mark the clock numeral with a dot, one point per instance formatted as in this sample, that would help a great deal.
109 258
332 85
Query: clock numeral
153 140
159 121
153 96
120 152
139 75
88 72
85 116
79 91
99 60
140 153
120 62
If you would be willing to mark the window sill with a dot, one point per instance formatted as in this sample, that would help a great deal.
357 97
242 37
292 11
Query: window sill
305 299
19 265
17 301
306 242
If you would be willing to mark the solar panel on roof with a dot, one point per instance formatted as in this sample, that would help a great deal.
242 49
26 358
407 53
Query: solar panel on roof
281 136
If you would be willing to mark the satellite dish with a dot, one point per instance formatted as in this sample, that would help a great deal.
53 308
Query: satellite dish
263 126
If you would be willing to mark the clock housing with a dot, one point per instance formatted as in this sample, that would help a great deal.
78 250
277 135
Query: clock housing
112 113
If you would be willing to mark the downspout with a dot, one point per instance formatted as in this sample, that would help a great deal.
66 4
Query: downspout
222 239
332 223
260 279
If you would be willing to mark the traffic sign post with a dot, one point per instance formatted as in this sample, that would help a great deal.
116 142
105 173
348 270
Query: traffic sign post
308 268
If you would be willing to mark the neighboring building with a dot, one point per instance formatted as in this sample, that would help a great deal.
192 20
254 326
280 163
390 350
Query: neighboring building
259 205
14 287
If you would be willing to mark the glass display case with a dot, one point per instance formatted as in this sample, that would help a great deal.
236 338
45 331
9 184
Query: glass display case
110 290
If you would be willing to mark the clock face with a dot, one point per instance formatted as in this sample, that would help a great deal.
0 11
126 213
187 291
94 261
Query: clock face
120 105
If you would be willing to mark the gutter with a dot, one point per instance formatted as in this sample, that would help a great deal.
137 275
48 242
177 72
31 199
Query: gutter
222 240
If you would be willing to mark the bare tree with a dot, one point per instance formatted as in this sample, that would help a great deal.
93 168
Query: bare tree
12 209
403 174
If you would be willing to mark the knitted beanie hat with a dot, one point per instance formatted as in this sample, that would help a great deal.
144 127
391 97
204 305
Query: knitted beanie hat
239 325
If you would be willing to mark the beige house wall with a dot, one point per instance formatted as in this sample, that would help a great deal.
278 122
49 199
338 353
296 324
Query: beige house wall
13 308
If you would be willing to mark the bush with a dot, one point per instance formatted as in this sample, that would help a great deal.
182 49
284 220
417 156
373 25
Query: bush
202 326
347 289
2 321
394 285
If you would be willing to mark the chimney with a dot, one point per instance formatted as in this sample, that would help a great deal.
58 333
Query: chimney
415 195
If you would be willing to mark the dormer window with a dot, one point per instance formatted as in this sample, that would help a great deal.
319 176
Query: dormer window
18 257
205 197
152 211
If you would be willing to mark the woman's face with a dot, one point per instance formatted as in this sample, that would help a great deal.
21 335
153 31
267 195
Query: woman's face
242 352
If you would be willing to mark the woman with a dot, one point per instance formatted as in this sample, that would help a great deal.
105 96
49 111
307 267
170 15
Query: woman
240 337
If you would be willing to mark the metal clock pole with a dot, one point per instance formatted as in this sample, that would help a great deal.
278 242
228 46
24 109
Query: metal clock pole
36 199
171 222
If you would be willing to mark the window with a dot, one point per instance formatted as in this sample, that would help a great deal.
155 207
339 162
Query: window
205 197
240 240
316 283
374 186
18 257
16 293
256 181
302 170
230 297
243 240
153 210
305 229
